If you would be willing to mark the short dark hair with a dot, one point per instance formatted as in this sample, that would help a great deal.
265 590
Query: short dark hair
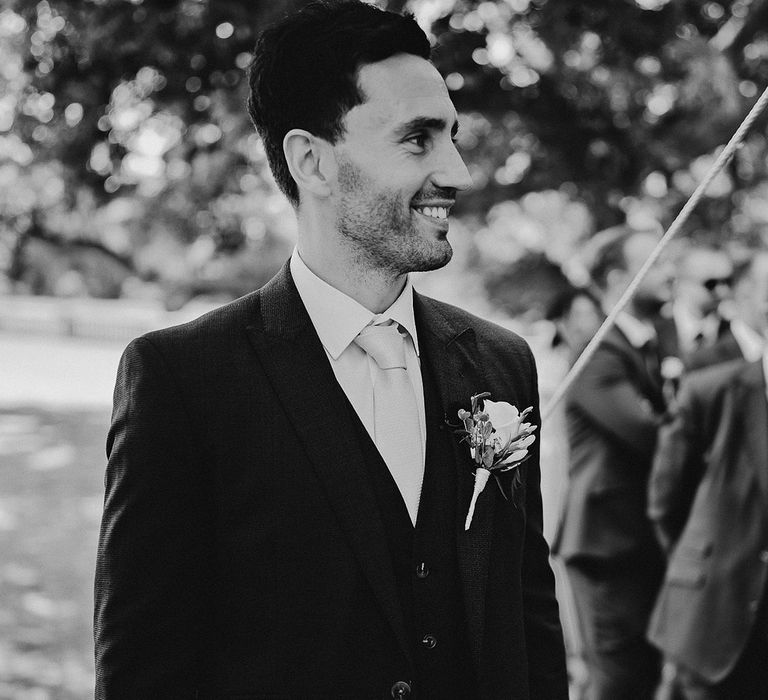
303 74
560 305
611 254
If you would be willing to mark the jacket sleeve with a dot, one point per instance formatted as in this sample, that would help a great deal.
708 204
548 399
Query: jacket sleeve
677 469
605 393
547 675
154 549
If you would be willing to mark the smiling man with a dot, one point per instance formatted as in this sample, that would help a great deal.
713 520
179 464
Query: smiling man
285 503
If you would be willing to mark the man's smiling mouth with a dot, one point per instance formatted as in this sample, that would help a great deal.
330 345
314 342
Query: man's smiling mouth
439 213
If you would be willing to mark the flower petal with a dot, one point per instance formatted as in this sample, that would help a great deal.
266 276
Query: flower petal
516 456
500 412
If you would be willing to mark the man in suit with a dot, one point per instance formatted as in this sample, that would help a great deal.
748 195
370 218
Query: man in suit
702 286
613 411
742 336
708 498
285 503
693 331
576 314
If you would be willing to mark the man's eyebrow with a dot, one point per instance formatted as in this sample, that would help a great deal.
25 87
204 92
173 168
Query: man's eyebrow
431 123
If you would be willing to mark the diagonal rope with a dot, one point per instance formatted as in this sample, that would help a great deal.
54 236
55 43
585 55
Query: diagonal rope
725 155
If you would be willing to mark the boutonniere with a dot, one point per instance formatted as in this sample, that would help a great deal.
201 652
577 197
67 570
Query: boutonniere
672 369
498 439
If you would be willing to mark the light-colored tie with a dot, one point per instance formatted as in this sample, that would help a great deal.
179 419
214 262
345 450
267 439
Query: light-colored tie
397 432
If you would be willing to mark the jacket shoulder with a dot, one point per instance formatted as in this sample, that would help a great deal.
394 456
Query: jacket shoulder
219 322
708 381
487 332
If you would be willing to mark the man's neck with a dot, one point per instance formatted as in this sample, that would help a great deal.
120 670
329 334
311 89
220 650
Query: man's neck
372 288
692 311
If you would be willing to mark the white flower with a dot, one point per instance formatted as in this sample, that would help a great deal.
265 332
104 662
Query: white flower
505 419
498 440
672 367
521 451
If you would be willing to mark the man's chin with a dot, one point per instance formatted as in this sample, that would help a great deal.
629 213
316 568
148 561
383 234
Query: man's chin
434 259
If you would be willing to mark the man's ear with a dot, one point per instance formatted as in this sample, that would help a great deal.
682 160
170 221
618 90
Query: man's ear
309 160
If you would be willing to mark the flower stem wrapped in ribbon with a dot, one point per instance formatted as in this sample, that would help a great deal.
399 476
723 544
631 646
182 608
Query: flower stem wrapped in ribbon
498 439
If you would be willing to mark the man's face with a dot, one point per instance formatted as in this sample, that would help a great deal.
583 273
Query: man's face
704 280
398 167
655 289
580 323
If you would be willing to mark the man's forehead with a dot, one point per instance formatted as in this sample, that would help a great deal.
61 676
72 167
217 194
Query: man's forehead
403 88
402 74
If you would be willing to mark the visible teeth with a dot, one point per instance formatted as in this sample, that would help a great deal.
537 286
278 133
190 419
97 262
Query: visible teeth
434 212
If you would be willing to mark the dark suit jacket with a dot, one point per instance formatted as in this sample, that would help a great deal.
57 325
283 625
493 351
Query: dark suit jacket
724 349
666 332
242 553
709 499
613 411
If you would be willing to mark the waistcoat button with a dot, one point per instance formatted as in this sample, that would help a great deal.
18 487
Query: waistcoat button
429 641
401 690
422 570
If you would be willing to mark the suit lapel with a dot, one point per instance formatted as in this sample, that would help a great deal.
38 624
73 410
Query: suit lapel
452 354
298 369
752 413
650 384
726 347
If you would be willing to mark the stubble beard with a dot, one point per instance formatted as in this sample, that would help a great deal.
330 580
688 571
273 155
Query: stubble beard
382 229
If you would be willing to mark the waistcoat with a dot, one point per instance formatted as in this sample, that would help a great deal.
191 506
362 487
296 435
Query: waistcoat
424 558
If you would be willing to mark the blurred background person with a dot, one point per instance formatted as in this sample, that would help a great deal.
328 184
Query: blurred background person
742 336
708 499
703 283
135 196
576 314
613 411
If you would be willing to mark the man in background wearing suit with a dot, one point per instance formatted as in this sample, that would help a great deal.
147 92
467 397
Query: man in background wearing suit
285 503
742 337
613 411
702 285
708 498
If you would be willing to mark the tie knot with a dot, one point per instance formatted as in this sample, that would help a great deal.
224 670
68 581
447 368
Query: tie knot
384 344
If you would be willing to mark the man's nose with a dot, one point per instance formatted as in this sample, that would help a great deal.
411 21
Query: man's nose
452 172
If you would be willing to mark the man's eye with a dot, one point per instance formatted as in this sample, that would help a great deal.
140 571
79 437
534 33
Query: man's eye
419 140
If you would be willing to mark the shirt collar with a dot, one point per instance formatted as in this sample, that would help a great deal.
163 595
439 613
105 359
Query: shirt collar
686 323
638 332
337 317
689 326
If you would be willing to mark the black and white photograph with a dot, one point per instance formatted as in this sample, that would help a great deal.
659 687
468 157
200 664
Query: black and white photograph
384 349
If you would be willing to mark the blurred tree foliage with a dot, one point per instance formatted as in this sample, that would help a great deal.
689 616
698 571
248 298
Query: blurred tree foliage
123 122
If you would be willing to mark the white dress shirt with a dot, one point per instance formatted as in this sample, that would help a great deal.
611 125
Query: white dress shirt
750 342
338 319
638 332
689 327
